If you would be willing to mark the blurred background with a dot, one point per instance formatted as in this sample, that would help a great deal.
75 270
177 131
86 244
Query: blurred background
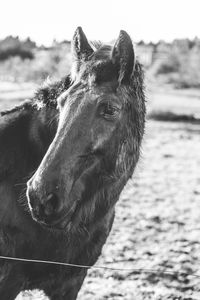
157 223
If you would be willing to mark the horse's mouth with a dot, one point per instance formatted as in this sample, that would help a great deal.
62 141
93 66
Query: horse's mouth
58 223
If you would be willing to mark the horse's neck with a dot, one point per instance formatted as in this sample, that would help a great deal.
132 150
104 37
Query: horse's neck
25 135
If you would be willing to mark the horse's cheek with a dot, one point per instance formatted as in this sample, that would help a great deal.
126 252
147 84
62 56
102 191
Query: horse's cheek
101 134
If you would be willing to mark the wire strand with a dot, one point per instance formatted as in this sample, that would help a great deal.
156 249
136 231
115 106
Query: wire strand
141 270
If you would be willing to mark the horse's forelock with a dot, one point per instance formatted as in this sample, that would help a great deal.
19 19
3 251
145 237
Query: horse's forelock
101 69
96 63
103 52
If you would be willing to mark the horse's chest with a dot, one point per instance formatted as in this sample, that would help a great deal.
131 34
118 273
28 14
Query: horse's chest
8 208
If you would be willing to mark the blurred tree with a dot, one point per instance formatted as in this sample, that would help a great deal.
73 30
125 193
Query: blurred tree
12 46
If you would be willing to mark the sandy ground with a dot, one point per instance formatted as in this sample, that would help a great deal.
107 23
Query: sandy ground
157 223
157 228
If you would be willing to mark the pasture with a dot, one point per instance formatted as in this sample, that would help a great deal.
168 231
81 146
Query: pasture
157 218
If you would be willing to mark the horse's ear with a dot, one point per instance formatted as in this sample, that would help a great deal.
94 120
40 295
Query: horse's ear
81 49
123 57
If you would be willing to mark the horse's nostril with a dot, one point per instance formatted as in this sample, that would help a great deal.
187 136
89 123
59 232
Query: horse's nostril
51 204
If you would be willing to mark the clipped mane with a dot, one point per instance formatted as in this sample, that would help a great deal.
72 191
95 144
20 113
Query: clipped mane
49 92
24 105
44 96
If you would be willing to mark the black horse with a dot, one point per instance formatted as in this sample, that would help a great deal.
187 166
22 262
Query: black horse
65 157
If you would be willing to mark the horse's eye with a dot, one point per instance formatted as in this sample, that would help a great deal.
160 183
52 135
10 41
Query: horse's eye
108 110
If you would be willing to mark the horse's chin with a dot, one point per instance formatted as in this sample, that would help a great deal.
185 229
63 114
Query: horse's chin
60 224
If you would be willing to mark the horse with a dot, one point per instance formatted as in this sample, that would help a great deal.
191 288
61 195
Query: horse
65 156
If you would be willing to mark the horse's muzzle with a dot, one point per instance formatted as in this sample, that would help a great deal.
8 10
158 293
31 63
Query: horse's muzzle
46 210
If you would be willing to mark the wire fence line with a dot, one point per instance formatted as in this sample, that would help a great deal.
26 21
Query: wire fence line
102 267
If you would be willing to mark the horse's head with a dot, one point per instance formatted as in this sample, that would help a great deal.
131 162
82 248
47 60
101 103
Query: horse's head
96 147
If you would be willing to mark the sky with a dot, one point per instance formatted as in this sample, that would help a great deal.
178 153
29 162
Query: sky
149 20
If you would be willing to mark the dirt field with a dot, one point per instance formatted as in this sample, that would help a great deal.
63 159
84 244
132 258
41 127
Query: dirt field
157 221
